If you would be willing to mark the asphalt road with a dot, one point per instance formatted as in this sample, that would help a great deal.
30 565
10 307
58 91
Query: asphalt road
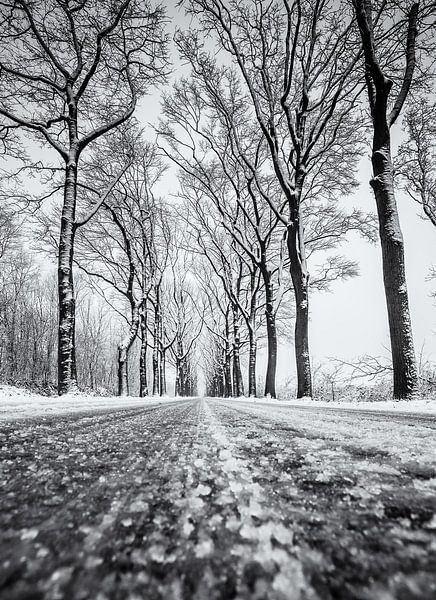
209 499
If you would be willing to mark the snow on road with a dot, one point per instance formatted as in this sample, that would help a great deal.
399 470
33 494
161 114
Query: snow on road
216 499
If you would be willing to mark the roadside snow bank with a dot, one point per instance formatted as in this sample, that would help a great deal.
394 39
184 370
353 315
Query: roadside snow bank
425 406
18 403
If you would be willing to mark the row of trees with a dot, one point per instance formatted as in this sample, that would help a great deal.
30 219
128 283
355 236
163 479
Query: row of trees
125 310
266 131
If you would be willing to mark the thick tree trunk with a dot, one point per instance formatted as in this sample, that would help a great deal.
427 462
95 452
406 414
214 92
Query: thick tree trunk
67 379
162 374
182 378
122 371
252 352
270 379
177 381
238 384
300 282
228 372
228 387
143 383
156 342
392 245
123 353
155 361
221 382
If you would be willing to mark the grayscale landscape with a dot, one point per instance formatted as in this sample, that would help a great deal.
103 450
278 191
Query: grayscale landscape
217 300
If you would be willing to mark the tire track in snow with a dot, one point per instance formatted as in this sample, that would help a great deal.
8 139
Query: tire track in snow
226 511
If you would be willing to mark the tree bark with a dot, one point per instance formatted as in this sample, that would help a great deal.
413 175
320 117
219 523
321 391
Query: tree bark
300 281
238 384
252 340
270 378
252 391
156 342
67 379
177 381
122 370
143 383
123 353
228 387
162 373
394 276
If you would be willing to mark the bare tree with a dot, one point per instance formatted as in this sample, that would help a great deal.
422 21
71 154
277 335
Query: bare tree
389 40
70 73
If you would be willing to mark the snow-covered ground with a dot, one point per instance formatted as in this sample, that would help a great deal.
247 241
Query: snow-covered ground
18 403
213 498
425 406
21 403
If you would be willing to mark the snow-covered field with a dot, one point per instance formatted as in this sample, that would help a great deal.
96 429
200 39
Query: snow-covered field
425 406
16 403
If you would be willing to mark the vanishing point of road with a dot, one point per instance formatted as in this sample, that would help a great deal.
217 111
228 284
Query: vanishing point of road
212 500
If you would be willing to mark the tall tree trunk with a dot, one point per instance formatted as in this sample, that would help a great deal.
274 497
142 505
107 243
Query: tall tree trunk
221 382
177 381
300 282
155 361
271 367
67 378
182 378
162 366
270 378
392 245
227 362
122 370
156 342
123 353
91 376
228 372
162 373
238 384
143 384
252 352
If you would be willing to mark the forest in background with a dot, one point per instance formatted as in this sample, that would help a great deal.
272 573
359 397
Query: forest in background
278 104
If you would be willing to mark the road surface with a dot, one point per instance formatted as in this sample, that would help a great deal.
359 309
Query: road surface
211 499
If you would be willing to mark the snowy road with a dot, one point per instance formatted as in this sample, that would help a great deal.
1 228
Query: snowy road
215 500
